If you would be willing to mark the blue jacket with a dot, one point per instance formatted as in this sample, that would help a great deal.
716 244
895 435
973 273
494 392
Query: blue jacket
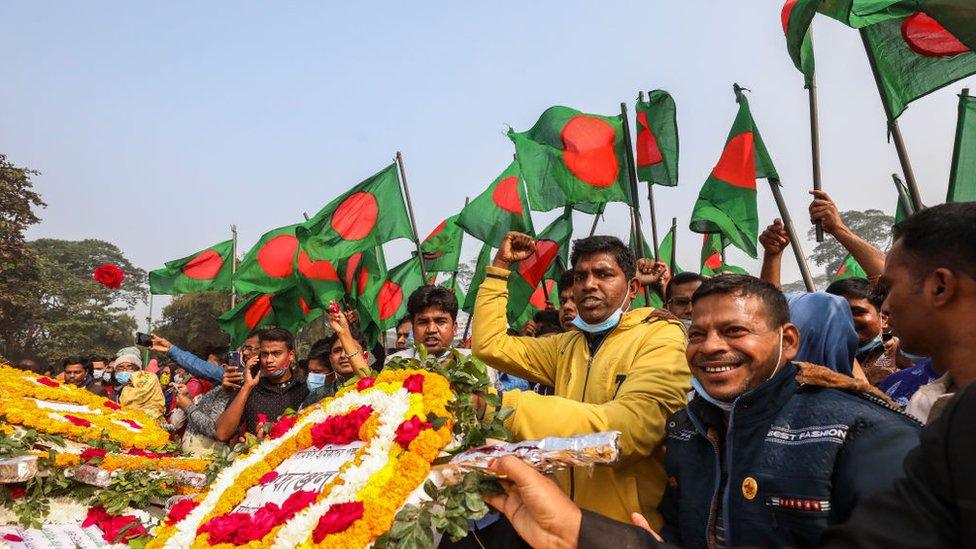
799 452
196 365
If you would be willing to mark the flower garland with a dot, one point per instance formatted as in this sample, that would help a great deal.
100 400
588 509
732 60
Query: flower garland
392 413
38 402
131 460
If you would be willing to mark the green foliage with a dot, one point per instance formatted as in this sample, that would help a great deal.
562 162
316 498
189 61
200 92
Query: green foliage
190 320
135 489
871 225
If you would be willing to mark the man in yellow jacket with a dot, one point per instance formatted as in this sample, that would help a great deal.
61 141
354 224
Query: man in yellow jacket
620 371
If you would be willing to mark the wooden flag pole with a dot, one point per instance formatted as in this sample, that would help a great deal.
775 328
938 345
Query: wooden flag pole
815 143
674 246
650 199
903 198
784 213
631 167
233 265
596 219
900 148
413 220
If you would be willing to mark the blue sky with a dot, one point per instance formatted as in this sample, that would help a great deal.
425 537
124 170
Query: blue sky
158 125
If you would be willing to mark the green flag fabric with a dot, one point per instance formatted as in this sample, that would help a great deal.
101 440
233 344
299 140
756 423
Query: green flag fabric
850 268
657 139
796 17
389 302
711 257
442 247
957 16
484 260
962 177
318 278
861 13
503 207
352 222
269 266
453 285
727 201
287 309
538 302
549 260
573 158
206 270
363 272
666 252
916 56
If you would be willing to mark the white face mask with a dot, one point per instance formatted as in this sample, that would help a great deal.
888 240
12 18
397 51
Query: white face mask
610 322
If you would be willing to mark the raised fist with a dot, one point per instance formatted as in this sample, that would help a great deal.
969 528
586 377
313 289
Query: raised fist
774 239
653 273
516 247
824 210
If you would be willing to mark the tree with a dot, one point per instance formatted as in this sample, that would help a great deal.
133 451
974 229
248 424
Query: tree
74 314
190 320
871 225
18 266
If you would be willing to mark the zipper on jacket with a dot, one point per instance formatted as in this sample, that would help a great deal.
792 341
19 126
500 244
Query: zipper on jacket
718 483
728 476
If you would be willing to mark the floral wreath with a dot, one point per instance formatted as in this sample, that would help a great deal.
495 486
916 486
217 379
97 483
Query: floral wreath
402 417
38 402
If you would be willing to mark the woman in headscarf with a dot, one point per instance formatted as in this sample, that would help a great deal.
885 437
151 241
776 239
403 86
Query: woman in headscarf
140 389
827 335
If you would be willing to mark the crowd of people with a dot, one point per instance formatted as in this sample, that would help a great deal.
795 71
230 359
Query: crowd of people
747 417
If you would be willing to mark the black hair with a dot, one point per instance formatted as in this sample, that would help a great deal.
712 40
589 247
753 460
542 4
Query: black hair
681 278
220 351
426 297
856 288
404 319
777 310
326 349
585 247
942 236
547 322
278 334
76 360
565 281
98 358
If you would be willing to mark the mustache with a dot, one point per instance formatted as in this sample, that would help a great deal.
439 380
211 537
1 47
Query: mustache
730 358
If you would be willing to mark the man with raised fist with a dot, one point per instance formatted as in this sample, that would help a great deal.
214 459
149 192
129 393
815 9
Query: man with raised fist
620 370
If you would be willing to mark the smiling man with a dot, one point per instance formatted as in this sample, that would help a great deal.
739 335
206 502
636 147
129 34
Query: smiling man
770 452
617 370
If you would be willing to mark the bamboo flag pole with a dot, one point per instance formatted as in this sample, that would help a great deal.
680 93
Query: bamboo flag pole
815 142
674 246
650 200
596 219
149 319
895 129
233 265
903 199
784 213
957 145
413 220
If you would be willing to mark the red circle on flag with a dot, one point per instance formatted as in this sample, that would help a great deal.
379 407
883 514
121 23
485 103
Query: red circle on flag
303 305
588 150
356 217
925 36
277 254
506 195
362 280
352 264
648 153
538 299
321 269
257 311
737 166
389 299
785 14
535 267
204 266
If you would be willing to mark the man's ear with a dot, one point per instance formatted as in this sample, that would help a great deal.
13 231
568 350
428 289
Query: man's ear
791 341
633 288
941 286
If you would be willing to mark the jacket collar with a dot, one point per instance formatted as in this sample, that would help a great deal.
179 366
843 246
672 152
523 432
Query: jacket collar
765 401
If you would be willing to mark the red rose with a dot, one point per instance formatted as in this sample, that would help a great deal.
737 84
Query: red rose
112 527
297 502
365 383
13 538
338 518
282 426
263 521
340 429
17 492
414 383
268 477
44 380
111 405
408 430
145 454
180 510
92 453
80 422
223 527
109 276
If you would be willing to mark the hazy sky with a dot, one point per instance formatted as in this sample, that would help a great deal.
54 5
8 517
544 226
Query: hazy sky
158 125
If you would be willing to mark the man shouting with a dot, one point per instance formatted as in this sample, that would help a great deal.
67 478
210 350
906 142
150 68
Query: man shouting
621 370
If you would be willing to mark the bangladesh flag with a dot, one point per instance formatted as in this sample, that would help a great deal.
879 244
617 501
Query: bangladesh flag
727 201
958 16
207 270
962 177
318 278
861 13
657 139
665 251
850 268
352 223
362 272
797 16
388 302
570 158
916 56
481 267
453 285
503 207
269 266
548 262
287 309
538 302
712 257
442 247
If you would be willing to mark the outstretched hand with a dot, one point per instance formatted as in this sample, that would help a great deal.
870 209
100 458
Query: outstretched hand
515 247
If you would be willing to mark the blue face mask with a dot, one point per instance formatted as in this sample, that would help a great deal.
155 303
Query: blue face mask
608 324
700 391
870 345
314 381
107 377
123 378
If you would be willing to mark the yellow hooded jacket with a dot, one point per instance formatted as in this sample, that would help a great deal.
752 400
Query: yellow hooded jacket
635 380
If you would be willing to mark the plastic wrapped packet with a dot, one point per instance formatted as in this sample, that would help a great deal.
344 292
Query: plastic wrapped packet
18 469
546 455
92 475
